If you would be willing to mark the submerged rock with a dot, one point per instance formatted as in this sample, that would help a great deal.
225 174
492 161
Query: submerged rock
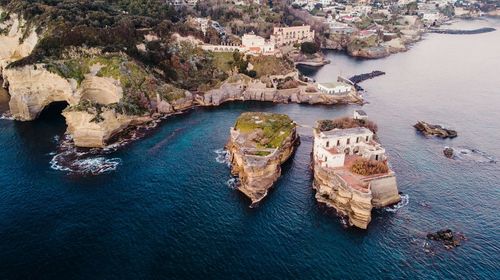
447 237
448 152
259 144
435 130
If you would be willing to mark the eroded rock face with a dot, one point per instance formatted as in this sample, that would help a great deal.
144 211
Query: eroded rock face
102 90
258 169
370 52
33 87
88 132
354 204
13 45
257 91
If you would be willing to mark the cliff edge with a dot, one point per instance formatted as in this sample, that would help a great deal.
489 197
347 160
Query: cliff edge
258 145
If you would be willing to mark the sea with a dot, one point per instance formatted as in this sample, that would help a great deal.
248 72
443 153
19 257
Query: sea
165 206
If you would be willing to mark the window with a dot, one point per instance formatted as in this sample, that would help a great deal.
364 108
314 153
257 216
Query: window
348 141
357 139
338 142
376 157
367 138
327 144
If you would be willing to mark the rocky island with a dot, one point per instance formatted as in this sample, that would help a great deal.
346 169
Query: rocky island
351 172
258 145
435 130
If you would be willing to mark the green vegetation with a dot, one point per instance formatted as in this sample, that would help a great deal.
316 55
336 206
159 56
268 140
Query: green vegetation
223 61
171 94
346 122
274 128
358 43
70 69
367 167
309 48
3 16
270 65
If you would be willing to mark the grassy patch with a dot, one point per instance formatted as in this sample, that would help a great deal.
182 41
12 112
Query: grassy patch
171 93
69 69
223 61
274 128
271 65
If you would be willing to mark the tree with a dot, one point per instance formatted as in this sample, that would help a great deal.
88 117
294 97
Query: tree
309 48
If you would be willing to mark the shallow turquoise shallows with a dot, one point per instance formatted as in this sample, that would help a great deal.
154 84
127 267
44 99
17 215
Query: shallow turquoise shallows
168 212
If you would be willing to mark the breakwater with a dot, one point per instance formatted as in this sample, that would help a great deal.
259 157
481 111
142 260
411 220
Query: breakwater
356 79
463 32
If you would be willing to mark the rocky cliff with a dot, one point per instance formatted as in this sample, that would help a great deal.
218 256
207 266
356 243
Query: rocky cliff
255 90
356 204
18 41
32 87
334 192
259 144
88 132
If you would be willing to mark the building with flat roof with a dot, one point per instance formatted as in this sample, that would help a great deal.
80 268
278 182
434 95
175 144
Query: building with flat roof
257 44
335 88
331 147
284 36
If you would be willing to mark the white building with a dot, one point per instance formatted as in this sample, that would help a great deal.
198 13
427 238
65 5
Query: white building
331 147
336 88
256 44
292 35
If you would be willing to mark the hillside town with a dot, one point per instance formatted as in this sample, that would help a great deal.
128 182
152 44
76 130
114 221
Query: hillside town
362 28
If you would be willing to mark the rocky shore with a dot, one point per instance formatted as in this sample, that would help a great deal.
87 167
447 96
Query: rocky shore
258 145
312 60
108 93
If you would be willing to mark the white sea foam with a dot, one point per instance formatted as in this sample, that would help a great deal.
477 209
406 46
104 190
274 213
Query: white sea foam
89 165
466 153
233 183
222 156
6 116
70 159
405 199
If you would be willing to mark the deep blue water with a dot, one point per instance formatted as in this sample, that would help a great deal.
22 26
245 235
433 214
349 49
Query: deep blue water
167 212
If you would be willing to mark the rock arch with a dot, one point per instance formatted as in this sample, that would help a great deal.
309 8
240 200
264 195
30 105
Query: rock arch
32 89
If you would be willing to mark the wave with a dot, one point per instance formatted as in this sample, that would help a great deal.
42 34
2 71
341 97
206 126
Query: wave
90 165
405 199
466 153
222 156
6 116
233 183
71 159
94 161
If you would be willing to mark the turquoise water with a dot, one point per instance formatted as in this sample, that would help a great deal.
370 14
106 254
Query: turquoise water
167 211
